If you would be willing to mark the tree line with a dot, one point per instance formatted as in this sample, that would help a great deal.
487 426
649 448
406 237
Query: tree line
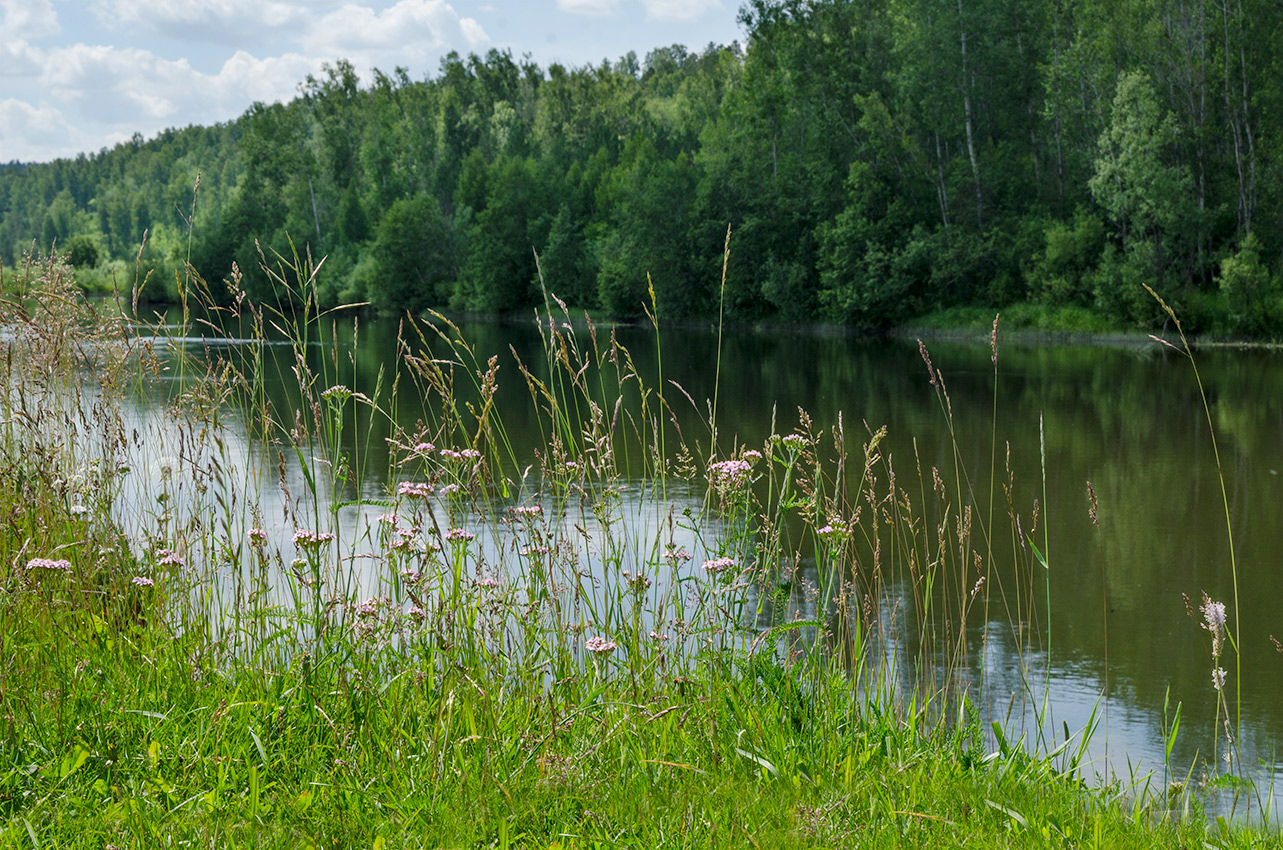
875 159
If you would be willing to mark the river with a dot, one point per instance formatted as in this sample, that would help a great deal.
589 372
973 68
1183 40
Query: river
1110 629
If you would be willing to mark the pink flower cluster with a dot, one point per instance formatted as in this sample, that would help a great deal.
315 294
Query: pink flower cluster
718 565
729 474
311 540
169 558
460 534
599 646
48 564
414 489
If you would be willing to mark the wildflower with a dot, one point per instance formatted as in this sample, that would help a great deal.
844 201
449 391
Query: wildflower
169 558
488 581
416 489
416 613
676 556
305 539
638 581
386 519
337 393
1218 678
450 489
368 608
599 646
59 565
78 510
142 581
795 442
460 534
717 565
1214 622
257 536
729 474
1214 615
656 636
469 454
528 510
826 531
424 448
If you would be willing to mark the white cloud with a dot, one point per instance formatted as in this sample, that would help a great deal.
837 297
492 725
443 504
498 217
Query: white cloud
27 131
132 89
227 22
592 8
24 19
19 59
679 10
411 32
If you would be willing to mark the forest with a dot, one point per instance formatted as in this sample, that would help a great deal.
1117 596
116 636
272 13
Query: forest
875 161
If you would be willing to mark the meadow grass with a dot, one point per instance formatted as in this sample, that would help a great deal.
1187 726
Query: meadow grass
202 647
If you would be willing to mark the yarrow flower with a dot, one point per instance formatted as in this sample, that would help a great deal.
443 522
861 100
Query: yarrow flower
599 646
460 534
311 540
169 558
416 489
60 565
337 393
729 474
142 581
677 556
716 565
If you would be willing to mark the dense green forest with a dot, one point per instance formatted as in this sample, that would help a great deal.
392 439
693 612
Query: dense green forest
876 160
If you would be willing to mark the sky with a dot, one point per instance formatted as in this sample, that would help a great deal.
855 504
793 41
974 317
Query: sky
77 77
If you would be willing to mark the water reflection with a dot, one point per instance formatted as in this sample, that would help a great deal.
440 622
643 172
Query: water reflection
1103 630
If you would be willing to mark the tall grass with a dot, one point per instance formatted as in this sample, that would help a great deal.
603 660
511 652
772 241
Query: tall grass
636 636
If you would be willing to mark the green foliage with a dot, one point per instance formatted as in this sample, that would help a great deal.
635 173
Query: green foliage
413 256
82 251
1062 274
873 161
1248 288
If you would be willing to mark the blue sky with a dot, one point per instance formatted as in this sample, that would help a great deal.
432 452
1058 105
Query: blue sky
79 76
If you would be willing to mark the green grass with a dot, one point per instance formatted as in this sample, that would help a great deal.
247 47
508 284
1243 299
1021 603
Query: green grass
171 680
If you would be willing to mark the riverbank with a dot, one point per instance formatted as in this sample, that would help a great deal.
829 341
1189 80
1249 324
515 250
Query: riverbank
532 669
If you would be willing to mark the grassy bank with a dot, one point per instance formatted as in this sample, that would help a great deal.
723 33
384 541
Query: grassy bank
484 649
